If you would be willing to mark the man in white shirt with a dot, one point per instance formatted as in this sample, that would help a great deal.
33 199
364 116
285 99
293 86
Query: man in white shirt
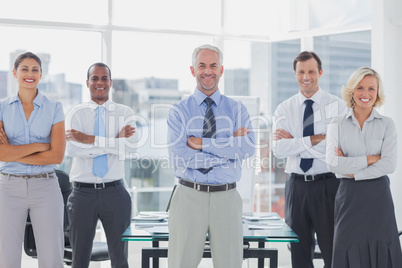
100 134
299 132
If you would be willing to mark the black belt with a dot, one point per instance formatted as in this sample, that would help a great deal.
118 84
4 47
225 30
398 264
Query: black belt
97 185
41 175
208 187
316 177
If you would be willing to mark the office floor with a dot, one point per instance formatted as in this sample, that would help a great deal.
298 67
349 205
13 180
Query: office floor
135 258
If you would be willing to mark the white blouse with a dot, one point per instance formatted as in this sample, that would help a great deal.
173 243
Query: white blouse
377 137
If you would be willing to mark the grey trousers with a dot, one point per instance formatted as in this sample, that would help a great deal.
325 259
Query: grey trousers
193 215
112 206
42 198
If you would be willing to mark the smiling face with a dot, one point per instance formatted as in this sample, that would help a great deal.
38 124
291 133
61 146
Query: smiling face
307 75
366 92
99 84
207 70
28 74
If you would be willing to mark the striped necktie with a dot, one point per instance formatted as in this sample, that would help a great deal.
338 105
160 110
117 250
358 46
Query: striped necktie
209 127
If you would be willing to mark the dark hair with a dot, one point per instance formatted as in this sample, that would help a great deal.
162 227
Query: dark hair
26 55
99 64
306 55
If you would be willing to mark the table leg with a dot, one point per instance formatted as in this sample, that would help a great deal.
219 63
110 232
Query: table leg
155 261
261 260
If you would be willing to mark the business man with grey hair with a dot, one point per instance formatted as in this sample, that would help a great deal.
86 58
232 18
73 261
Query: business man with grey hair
209 135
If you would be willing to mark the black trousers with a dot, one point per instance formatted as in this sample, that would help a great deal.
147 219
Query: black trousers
309 210
112 206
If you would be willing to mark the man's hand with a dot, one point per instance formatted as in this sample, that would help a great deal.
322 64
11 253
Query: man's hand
126 132
3 137
75 135
194 143
281 134
315 139
241 132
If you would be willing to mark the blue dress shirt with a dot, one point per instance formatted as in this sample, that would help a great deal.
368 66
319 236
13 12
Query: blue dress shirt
224 154
19 131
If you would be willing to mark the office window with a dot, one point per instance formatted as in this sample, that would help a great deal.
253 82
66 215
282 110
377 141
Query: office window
186 15
65 59
77 11
256 17
341 54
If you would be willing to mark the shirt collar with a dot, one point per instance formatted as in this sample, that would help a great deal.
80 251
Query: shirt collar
200 97
374 114
93 105
38 101
316 97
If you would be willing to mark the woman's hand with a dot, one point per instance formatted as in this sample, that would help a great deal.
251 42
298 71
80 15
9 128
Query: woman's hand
3 137
338 152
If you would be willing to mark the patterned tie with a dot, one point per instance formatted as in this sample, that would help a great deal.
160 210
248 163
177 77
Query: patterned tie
308 130
209 127
100 162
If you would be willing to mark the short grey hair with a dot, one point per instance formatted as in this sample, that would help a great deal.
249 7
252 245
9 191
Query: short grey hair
210 47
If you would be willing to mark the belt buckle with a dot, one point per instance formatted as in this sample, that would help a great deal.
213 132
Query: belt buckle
102 185
25 176
307 179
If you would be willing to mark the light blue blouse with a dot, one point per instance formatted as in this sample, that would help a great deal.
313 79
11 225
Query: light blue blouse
46 113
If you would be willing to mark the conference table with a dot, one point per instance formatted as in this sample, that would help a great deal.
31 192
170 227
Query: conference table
258 228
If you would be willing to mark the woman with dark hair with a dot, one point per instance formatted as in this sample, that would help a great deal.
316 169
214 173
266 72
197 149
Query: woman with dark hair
362 150
32 142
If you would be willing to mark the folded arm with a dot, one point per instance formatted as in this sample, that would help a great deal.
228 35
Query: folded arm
240 145
11 153
81 144
180 147
52 156
365 166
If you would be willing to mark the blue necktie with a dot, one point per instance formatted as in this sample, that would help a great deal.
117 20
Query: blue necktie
308 130
100 162
209 127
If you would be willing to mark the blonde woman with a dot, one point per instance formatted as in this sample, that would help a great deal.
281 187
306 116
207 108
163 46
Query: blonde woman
32 141
362 150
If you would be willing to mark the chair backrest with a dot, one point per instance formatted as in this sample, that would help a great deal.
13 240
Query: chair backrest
66 189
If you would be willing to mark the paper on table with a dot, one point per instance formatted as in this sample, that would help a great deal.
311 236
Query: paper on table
158 230
262 217
150 224
253 226
151 216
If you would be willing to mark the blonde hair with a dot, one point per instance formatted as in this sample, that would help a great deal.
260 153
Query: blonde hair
354 80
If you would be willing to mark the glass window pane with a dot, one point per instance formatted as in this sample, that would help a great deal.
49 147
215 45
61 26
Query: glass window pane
283 85
78 11
283 81
256 17
341 54
205 16
65 55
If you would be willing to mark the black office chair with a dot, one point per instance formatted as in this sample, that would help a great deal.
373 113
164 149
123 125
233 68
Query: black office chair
99 249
